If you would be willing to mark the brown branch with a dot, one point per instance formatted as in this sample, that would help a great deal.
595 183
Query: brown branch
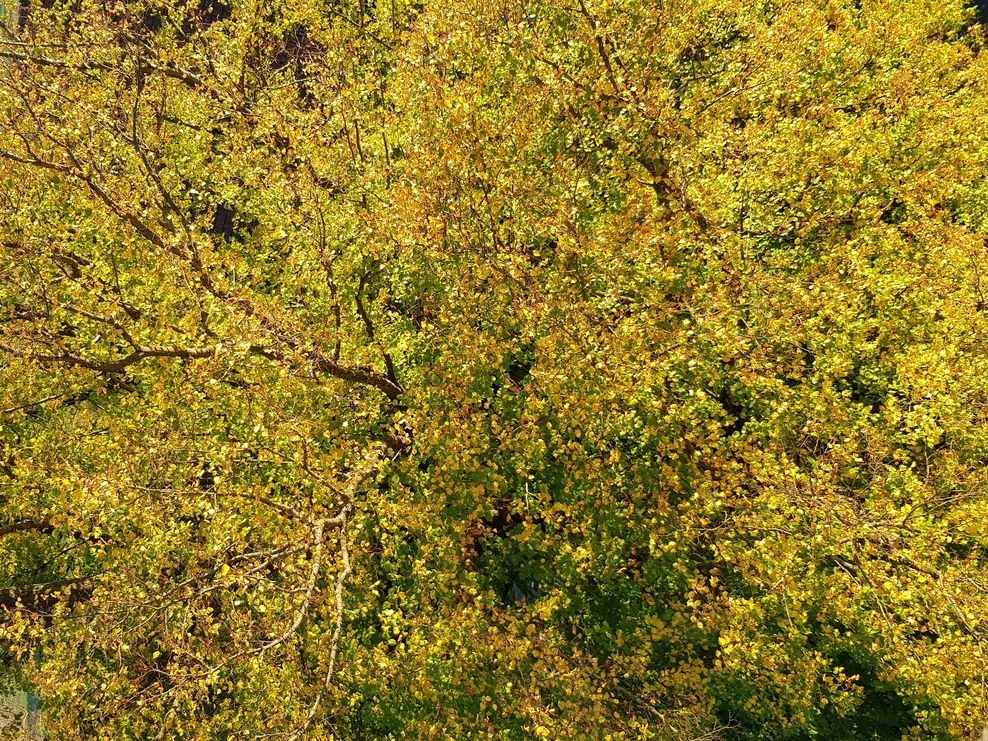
34 162
356 374
114 366
41 526
601 48
369 328
131 218
101 319
30 404
374 37
86 66
320 363
289 512
176 73
395 442
41 597
170 70
152 172
126 214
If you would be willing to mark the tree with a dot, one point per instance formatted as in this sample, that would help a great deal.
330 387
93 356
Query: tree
556 370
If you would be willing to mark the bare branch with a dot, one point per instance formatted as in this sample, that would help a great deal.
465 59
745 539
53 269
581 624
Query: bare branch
361 475
356 374
334 641
318 528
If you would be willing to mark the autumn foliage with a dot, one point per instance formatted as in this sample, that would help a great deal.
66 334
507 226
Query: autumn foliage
599 369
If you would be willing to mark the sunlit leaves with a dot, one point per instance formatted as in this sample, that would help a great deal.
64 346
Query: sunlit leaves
639 347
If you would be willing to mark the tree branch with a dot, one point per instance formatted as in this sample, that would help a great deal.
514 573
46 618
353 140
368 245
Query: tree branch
318 529
358 478
29 404
114 366
369 328
41 597
356 374
170 70
41 526
334 641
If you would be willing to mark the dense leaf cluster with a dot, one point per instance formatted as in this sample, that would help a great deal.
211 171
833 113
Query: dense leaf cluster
605 369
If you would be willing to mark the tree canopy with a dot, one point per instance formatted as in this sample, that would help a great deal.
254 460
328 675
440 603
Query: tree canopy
599 369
